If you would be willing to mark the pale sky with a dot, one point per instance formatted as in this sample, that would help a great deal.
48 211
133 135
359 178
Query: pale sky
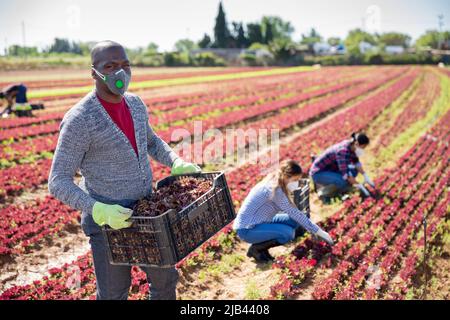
137 22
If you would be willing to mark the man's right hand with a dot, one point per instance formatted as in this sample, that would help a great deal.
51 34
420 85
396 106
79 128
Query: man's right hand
113 215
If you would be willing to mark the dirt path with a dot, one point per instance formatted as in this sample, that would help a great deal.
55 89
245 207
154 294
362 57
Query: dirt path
53 252
26 268
235 276
30 195
439 283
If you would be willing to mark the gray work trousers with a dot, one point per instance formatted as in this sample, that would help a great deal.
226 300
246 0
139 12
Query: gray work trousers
113 282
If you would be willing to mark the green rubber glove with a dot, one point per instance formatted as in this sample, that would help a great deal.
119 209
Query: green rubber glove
113 215
181 167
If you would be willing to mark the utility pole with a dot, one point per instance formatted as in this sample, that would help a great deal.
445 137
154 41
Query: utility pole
441 25
24 43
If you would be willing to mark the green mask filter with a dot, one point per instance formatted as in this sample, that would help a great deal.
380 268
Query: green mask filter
117 81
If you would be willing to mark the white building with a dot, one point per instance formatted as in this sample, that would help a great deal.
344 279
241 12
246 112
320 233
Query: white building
394 49
365 47
339 49
321 48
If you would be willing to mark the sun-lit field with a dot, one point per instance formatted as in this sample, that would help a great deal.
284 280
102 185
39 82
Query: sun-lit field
379 250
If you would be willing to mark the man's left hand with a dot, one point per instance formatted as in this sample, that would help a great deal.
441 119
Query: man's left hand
181 167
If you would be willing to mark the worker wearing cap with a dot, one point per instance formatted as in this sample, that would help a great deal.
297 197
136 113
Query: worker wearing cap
108 138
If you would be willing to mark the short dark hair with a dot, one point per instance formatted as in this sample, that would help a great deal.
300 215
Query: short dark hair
2 95
361 138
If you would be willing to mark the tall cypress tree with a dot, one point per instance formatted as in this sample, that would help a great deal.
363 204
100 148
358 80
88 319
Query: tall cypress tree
268 36
242 40
221 32
254 33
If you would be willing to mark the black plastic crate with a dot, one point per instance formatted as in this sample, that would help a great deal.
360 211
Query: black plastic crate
301 196
166 239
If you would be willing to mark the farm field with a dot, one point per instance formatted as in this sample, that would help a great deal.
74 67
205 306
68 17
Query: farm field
379 243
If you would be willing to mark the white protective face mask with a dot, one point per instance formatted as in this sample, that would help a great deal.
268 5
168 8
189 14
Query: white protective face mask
359 152
291 186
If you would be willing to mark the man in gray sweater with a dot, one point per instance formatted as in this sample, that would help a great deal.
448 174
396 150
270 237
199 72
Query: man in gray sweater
107 137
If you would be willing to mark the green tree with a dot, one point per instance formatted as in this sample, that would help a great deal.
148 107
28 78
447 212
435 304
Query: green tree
86 47
394 39
221 32
232 41
205 42
60 45
334 41
432 38
135 55
208 59
254 33
282 49
241 38
257 46
151 49
176 59
185 45
353 39
75 48
19 51
311 38
276 28
268 34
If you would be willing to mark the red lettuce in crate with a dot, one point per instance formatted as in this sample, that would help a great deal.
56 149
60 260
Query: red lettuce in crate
179 194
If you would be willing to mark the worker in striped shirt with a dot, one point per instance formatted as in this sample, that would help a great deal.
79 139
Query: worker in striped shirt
268 216
335 170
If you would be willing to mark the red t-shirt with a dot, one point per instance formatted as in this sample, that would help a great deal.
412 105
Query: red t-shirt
121 116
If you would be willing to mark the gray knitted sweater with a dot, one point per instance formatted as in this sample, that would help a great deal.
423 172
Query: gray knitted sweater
111 171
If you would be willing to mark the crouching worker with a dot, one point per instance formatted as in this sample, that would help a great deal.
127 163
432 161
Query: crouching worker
107 137
335 170
17 102
259 221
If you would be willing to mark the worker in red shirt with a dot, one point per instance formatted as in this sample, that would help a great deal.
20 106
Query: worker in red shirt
108 139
